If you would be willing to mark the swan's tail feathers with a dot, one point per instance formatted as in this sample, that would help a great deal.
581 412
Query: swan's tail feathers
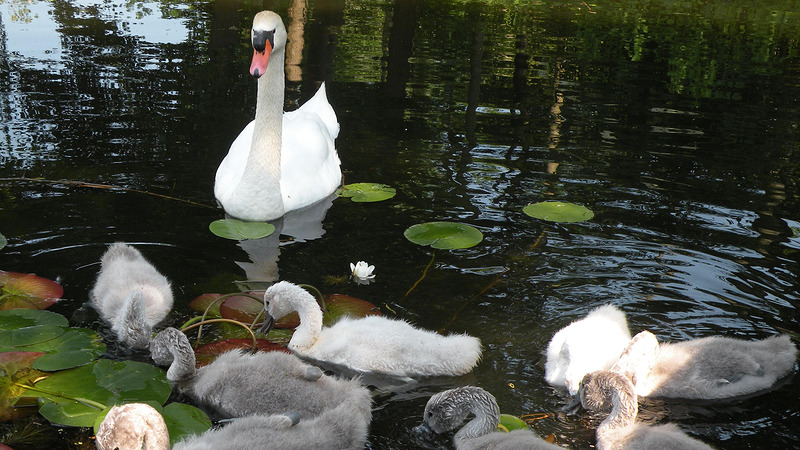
132 327
778 355
318 104
119 250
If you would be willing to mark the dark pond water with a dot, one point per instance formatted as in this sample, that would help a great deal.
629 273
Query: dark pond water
675 122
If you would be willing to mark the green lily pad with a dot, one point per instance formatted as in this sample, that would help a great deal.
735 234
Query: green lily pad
3 241
558 212
367 192
511 423
184 420
75 397
28 291
47 332
239 230
15 369
24 327
444 235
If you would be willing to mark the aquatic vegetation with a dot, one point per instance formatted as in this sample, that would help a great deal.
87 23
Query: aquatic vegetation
366 192
23 290
444 235
239 230
558 212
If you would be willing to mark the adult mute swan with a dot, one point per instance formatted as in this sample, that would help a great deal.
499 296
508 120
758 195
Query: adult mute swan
447 410
137 426
238 384
585 345
281 161
713 367
606 390
130 295
372 343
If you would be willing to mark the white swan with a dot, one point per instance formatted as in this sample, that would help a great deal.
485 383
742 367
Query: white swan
136 426
447 410
606 390
130 295
279 162
238 384
708 368
372 343
585 345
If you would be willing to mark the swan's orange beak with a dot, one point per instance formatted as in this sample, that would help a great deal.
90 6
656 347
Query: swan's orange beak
260 60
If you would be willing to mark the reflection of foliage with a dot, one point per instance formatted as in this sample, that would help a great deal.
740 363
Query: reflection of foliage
20 10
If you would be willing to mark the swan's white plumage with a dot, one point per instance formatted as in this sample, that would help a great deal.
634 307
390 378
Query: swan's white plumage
280 162
586 345
130 294
373 343
712 367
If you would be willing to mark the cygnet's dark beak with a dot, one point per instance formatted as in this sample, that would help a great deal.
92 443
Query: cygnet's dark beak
573 406
269 322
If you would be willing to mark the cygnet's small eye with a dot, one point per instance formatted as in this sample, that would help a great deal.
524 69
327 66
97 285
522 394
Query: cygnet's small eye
430 414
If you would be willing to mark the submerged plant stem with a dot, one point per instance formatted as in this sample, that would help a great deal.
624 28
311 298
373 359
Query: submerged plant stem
101 186
424 272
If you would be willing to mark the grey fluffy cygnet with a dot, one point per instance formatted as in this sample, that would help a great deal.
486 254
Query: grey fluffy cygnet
130 295
138 426
713 367
372 343
606 390
238 384
447 410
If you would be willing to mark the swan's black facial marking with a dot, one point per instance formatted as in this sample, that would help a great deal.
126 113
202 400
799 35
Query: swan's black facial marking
260 39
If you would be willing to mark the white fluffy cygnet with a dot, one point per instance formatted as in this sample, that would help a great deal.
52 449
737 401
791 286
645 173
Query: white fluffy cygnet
370 344
130 295
586 345
712 367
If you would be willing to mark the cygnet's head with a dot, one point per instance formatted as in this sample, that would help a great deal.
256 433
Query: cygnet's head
282 298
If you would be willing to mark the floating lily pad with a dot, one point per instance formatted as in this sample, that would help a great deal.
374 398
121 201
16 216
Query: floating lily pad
202 302
367 192
24 327
511 423
28 291
239 230
444 235
558 212
3 241
184 420
74 397
47 332
208 353
15 369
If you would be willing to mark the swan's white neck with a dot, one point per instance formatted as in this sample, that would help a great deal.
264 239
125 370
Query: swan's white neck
307 333
262 174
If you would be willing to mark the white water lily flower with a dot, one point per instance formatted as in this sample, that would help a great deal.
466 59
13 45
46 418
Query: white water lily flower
362 271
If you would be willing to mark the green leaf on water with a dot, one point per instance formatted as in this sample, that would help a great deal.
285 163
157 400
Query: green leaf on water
75 397
558 212
3 241
511 423
25 327
184 420
25 290
444 235
239 230
15 369
367 192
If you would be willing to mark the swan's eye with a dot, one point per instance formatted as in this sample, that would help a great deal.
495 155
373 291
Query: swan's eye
260 39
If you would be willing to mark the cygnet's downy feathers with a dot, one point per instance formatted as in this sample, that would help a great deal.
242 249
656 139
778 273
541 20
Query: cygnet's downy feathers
707 368
370 344
447 410
586 345
130 295
237 384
